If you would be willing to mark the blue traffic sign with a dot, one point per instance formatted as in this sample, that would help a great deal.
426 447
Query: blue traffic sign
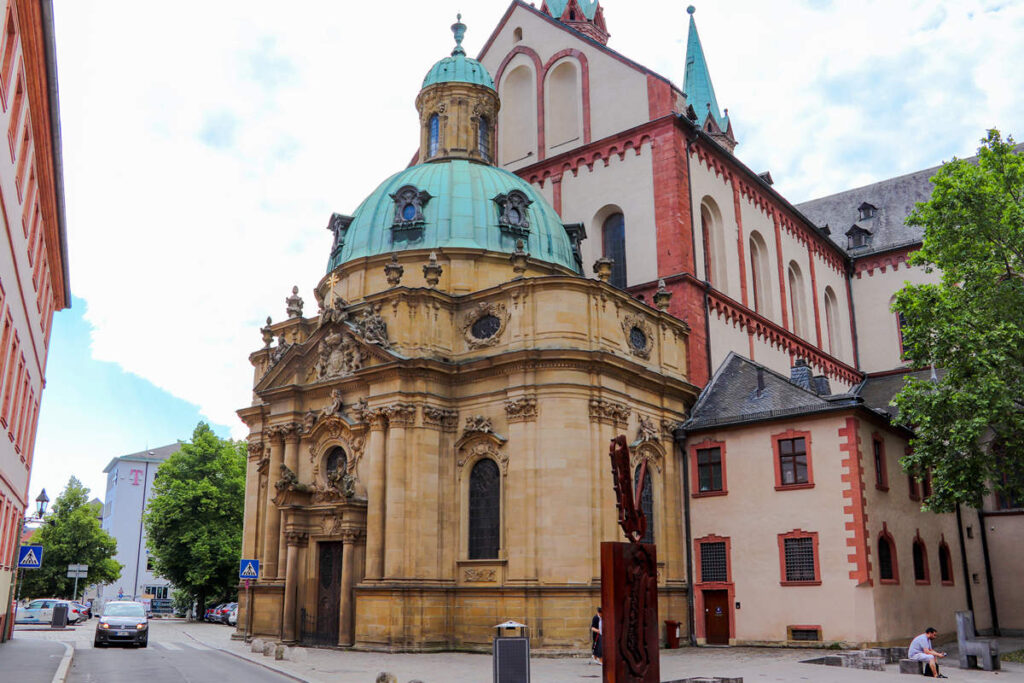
30 557
249 569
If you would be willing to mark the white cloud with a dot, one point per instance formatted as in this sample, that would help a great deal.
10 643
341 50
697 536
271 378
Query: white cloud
206 146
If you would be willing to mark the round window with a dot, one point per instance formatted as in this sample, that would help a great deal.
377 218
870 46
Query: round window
486 327
637 338
408 212
515 217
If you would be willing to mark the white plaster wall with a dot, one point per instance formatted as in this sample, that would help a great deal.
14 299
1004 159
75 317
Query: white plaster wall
876 323
725 337
705 183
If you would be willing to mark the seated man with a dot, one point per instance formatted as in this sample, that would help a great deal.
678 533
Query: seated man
921 651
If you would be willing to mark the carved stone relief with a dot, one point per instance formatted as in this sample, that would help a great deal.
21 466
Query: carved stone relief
372 328
646 431
445 418
483 335
339 355
609 412
521 409
668 428
473 575
401 414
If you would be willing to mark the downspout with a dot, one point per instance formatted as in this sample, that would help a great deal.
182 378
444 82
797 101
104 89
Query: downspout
679 437
963 559
853 314
988 574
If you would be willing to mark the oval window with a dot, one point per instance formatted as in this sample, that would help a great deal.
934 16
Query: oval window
637 338
515 217
408 212
486 327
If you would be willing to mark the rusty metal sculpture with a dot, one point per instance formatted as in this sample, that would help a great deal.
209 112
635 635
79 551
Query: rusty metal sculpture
629 583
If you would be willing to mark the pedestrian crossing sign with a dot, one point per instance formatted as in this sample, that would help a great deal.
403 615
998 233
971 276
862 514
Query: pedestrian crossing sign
30 557
249 569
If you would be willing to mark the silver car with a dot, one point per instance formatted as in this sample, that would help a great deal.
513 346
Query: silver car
122 622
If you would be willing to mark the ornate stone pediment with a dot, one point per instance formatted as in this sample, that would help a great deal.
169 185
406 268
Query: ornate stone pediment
521 409
338 480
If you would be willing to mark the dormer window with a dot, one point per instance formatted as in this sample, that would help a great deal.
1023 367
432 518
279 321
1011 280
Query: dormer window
858 237
338 225
513 216
409 203
866 211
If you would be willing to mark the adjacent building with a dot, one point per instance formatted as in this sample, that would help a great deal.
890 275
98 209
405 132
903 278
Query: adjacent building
33 257
129 488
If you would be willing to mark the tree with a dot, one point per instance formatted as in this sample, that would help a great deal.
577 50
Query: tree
71 534
194 518
969 422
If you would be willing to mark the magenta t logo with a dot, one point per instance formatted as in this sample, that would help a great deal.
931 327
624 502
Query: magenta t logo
135 477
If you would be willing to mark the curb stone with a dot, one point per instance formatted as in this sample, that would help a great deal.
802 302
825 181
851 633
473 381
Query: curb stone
65 663
269 667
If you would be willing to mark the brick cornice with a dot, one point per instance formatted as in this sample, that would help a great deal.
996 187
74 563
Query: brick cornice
881 262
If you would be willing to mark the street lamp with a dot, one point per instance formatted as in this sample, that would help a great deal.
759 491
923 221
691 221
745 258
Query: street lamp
41 500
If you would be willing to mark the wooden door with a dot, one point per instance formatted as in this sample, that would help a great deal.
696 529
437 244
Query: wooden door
328 604
716 617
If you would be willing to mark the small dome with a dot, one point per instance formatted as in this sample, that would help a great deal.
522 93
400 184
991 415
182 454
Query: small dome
456 203
459 68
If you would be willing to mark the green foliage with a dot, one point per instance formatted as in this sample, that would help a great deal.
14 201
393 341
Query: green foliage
1015 656
970 423
71 534
181 601
194 518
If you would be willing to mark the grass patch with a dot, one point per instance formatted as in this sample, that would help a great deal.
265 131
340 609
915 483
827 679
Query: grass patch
1015 656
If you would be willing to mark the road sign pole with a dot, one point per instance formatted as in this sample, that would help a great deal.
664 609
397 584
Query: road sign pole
74 596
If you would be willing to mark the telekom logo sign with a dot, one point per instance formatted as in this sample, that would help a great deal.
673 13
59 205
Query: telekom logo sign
134 475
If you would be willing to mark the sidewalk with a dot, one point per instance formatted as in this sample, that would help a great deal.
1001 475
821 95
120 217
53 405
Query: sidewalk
29 660
754 664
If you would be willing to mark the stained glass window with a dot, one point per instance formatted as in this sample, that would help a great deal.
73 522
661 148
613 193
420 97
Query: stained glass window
484 510
613 236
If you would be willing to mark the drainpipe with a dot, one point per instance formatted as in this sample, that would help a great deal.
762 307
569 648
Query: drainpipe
679 437
988 573
963 559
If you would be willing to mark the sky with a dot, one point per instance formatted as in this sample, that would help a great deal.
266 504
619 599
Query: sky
206 144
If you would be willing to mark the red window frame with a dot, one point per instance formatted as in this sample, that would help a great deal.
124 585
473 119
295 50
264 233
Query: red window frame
695 491
792 434
799 533
918 541
11 40
887 537
881 465
700 585
945 561
914 490
9 380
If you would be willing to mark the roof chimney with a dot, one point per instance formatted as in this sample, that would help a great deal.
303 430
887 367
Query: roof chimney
800 374
821 386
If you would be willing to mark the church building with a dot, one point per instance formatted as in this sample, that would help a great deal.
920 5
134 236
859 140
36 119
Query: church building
577 252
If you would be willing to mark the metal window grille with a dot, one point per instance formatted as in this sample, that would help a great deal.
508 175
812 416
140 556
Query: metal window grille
793 460
884 559
484 510
799 559
806 634
709 469
919 573
647 505
712 562
613 236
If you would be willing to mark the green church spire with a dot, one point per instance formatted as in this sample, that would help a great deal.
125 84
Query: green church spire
700 93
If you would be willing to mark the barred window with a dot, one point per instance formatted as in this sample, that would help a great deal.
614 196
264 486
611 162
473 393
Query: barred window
709 469
793 461
484 510
713 562
647 505
799 555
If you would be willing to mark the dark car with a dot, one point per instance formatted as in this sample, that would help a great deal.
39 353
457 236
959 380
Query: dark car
122 622
224 612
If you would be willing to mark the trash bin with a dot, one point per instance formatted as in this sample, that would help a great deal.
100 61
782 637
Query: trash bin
60 615
511 654
671 634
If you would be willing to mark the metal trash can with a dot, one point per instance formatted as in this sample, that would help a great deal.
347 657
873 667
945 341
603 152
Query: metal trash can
671 634
60 615
511 654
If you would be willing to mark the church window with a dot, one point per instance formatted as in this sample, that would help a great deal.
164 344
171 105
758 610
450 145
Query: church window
513 215
760 274
409 203
484 510
888 570
637 338
517 123
647 504
792 460
945 565
709 470
799 558
797 295
713 239
921 574
484 139
563 104
435 134
713 562
486 326
517 35
901 321
835 342
881 469
613 239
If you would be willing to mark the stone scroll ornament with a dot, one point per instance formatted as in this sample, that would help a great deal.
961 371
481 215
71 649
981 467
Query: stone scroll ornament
629 583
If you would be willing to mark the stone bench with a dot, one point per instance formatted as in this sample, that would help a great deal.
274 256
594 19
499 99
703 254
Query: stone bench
909 666
971 648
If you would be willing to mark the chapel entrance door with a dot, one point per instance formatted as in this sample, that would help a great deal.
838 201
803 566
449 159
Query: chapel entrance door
716 617
328 605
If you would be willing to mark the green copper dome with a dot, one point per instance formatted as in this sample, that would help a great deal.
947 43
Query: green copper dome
459 68
454 204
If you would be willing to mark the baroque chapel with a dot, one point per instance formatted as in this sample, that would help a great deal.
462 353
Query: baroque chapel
576 252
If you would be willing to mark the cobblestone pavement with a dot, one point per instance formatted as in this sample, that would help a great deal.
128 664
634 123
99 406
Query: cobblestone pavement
340 666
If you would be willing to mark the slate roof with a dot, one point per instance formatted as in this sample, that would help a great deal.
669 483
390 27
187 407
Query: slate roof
158 454
878 392
732 396
894 199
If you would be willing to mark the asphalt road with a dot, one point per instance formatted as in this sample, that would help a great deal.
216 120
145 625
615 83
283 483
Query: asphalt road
165 661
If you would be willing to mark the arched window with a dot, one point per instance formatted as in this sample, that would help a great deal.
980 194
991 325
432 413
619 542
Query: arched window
562 105
517 122
517 35
613 240
712 237
336 462
760 274
920 561
483 142
435 134
835 337
646 504
887 570
945 564
484 510
797 297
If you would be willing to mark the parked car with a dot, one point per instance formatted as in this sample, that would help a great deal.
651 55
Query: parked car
84 610
233 616
211 613
122 621
40 611
221 615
